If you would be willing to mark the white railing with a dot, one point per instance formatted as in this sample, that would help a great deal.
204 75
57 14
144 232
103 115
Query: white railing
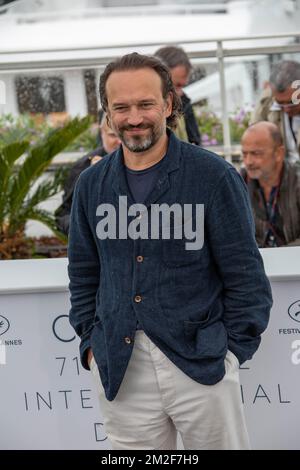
97 57
79 13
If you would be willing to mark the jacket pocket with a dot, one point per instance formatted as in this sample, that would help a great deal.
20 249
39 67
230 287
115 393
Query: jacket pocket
176 255
208 340
175 252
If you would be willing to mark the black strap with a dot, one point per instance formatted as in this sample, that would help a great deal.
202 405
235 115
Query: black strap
279 240
292 130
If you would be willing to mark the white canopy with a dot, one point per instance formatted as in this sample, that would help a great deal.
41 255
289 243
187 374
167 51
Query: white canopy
84 41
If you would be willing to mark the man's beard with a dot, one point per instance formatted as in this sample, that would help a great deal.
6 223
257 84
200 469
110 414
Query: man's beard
254 174
139 143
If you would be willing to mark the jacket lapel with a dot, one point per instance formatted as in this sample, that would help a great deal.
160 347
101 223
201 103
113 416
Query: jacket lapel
119 180
170 163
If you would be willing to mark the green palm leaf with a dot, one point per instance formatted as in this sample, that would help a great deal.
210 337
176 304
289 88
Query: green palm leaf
13 151
8 156
20 193
40 157
47 219
45 190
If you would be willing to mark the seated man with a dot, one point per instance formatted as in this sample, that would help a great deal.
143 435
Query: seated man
109 143
273 184
276 105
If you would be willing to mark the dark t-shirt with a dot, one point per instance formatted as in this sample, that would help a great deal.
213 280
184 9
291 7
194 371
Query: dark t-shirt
141 182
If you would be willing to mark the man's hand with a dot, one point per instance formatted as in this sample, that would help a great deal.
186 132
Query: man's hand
95 159
90 356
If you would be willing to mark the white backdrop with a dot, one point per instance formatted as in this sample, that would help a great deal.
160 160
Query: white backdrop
48 401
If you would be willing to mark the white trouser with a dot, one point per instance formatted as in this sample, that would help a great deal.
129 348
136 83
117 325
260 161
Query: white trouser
156 399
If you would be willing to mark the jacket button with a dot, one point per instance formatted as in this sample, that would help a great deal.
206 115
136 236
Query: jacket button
140 259
138 299
128 340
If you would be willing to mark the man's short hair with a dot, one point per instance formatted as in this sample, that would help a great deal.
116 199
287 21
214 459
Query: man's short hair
272 129
101 117
137 61
276 136
284 74
172 56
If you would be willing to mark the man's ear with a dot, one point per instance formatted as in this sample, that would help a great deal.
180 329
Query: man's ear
280 153
169 104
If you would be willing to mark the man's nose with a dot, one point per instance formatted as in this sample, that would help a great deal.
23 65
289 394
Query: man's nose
247 158
135 116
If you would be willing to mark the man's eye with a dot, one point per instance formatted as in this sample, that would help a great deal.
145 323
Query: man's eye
146 105
120 108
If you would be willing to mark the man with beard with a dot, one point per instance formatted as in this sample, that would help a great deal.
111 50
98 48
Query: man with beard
164 326
274 186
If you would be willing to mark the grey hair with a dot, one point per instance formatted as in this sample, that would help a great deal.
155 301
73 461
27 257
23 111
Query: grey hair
284 74
172 56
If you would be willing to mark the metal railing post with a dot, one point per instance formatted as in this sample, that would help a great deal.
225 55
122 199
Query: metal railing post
225 117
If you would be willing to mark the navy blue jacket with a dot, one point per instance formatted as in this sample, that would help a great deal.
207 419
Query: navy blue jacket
194 305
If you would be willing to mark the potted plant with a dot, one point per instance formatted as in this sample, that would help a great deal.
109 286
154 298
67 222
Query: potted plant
19 199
